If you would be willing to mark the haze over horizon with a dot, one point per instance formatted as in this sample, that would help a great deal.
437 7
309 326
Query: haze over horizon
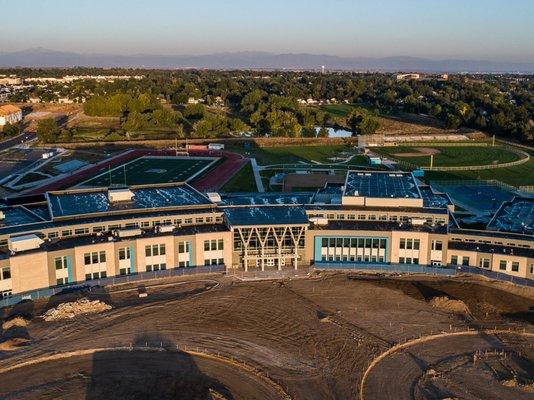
489 30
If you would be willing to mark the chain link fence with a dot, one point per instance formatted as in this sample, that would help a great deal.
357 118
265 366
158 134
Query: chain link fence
114 280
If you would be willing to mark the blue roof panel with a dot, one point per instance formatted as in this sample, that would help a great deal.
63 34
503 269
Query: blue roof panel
245 216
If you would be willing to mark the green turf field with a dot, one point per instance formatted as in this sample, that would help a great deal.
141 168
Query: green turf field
293 154
452 156
151 170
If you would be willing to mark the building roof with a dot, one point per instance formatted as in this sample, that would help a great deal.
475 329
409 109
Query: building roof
515 216
491 248
82 202
9 109
381 226
17 215
433 199
269 215
265 199
381 184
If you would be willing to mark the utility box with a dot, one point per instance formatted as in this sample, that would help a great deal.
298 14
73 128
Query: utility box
24 243
120 195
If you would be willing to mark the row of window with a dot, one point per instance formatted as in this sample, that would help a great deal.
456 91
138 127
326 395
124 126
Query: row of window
353 258
374 217
142 224
410 244
155 250
362 243
156 267
214 261
96 257
408 260
212 245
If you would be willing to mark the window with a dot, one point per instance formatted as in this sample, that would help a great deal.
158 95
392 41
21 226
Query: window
52 235
6 273
199 220
66 233
531 268
124 253
94 257
515 266
62 281
484 263
81 231
416 244
124 271
60 262
465 260
402 244
183 264
454 260
188 221
502 265
206 245
183 247
437 245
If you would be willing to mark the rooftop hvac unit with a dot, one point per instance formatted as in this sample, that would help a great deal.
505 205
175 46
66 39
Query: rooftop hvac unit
418 221
120 195
128 232
319 221
2 215
214 197
165 228
25 242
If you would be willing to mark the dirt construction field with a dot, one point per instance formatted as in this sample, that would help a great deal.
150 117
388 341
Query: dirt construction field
309 338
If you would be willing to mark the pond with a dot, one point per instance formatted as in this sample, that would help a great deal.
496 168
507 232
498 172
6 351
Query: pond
333 133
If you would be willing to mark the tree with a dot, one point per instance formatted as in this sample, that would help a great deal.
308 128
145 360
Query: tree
323 132
48 130
194 111
10 130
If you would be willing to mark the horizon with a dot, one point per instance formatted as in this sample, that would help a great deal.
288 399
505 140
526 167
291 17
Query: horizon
480 30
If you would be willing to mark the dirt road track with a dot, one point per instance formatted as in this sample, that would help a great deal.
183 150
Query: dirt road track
152 372
395 372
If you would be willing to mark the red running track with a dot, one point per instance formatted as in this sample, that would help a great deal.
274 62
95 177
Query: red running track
212 181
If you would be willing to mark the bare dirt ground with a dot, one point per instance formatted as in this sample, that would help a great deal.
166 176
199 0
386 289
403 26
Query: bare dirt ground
421 152
315 337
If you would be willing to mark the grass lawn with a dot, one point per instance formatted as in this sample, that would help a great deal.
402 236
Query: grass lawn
453 156
520 175
243 181
295 154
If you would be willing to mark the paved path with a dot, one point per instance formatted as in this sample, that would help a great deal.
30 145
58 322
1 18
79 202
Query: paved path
257 177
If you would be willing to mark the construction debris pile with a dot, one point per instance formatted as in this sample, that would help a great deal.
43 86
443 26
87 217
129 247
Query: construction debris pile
75 308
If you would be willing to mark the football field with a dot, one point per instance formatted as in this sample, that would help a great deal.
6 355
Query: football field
152 170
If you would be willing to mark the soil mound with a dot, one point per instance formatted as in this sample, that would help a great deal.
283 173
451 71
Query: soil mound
449 305
14 322
75 308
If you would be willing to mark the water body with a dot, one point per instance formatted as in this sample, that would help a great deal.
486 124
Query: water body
332 133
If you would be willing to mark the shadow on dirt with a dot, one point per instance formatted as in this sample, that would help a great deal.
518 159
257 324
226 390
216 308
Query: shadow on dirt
166 374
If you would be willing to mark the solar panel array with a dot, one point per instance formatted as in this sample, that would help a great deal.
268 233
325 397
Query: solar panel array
68 204
247 216
516 216
381 184
266 199
434 200
17 216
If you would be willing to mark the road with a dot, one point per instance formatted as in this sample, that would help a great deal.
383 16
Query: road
14 141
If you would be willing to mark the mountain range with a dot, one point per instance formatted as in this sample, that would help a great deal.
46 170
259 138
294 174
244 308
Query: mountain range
40 57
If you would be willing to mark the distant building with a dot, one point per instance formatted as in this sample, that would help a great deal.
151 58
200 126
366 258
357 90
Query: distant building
10 81
11 114
404 77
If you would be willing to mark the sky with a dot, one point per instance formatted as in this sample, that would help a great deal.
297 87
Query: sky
497 30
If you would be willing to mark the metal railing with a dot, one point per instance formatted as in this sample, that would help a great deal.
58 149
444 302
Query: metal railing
113 280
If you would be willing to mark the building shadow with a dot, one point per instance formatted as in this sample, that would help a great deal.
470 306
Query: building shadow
148 374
